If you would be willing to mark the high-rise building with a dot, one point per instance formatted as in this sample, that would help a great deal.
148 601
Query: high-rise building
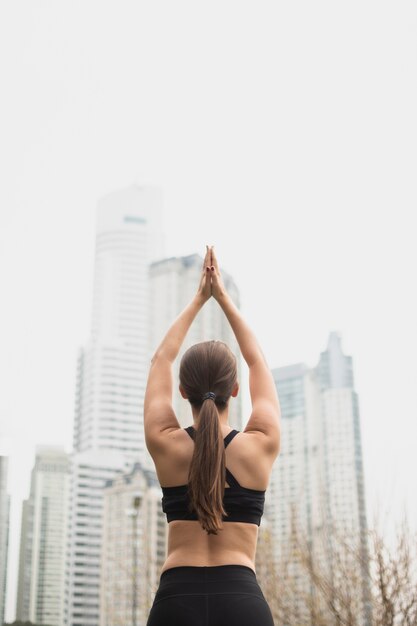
4 532
133 547
112 366
40 594
173 283
111 379
317 484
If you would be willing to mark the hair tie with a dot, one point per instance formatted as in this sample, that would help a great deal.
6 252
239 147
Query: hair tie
209 395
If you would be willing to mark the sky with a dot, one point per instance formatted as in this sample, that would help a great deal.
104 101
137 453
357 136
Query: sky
282 133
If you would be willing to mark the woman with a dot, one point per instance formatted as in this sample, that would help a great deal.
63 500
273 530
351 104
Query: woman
213 477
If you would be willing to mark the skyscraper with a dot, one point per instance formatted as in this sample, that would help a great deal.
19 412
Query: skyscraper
317 480
40 593
4 532
111 378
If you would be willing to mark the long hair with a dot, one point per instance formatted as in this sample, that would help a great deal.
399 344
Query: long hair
208 366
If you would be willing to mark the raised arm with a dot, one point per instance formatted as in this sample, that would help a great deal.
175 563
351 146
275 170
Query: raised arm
158 413
266 413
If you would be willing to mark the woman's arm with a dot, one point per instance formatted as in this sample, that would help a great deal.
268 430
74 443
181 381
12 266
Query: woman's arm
158 413
266 412
248 344
173 340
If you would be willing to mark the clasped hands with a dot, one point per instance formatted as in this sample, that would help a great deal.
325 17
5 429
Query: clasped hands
211 283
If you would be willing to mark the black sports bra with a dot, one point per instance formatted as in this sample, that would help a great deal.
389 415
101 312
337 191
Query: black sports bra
241 504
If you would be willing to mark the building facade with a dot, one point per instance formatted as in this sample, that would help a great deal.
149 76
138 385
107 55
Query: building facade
133 547
40 593
317 484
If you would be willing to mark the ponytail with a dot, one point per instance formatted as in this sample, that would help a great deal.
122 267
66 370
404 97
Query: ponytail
208 365
207 475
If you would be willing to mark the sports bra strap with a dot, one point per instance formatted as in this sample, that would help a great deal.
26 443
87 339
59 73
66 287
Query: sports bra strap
229 437
191 431
230 479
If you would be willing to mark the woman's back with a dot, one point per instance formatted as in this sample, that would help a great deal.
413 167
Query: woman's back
188 543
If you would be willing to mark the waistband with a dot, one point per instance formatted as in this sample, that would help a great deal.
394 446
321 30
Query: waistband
193 573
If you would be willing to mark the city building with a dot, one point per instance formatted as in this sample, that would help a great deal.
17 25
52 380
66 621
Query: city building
40 593
133 547
317 483
111 376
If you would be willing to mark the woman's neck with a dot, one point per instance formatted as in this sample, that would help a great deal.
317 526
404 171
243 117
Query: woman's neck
223 416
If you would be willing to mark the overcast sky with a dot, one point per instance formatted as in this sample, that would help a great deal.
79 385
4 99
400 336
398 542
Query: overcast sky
283 133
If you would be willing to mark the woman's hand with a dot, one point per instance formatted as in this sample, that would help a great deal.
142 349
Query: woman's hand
218 290
204 288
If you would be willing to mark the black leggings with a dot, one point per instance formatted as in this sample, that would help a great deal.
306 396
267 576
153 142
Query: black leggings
221 595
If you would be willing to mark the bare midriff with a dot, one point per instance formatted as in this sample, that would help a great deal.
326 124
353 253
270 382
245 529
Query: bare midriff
189 544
